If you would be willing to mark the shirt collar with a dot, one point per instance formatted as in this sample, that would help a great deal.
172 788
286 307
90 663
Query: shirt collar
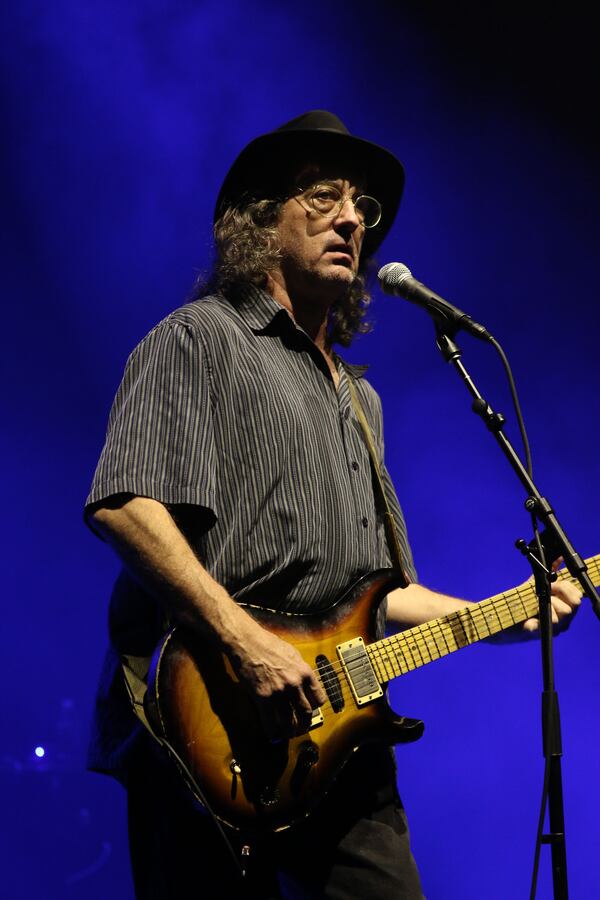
259 310
357 371
257 307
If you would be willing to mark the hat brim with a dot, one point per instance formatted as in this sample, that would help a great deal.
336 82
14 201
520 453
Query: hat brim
268 162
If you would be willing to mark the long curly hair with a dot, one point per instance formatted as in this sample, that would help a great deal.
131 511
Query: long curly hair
247 249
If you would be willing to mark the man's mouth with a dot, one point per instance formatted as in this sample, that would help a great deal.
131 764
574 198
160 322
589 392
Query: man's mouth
343 250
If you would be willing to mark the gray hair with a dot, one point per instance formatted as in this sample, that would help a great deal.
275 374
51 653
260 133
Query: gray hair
247 249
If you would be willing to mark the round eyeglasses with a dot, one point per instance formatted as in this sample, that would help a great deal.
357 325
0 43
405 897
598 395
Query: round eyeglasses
327 200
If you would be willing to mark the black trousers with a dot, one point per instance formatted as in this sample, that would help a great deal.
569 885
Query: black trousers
354 846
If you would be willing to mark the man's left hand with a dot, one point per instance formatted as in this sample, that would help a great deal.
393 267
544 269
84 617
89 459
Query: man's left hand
565 600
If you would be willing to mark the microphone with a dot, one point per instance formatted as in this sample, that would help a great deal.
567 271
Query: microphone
397 279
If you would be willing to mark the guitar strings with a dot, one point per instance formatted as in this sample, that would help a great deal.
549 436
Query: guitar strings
420 645
429 632
503 609
424 639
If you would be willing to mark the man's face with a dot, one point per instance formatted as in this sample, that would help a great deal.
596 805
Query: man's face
320 252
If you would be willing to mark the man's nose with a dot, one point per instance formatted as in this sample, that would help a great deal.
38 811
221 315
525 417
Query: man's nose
348 216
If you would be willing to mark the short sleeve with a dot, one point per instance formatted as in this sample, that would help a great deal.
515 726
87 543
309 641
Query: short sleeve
159 441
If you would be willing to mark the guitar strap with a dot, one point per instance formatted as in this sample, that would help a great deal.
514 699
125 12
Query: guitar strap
381 500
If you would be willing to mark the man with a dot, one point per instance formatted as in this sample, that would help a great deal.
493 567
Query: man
234 470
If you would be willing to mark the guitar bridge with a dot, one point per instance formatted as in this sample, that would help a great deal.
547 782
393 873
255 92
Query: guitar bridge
359 671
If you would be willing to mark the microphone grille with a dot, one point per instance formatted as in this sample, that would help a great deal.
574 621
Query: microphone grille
394 273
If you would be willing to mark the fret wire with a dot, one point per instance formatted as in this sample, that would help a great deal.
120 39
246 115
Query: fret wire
508 606
432 630
468 624
401 641
378 663
424 638
464 630
421 639
505 616
519 594
395 642
403 648
417 645
423 634
414 641
409 648
427 631
392 661
473 613
398 654
428 628
413 635
458 632
444 632
389 660
388 663
491 620
426 645
392 649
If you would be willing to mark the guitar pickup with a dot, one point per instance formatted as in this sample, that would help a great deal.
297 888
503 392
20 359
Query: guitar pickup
359 671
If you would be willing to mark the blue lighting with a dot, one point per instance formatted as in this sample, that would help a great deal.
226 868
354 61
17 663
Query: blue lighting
39 752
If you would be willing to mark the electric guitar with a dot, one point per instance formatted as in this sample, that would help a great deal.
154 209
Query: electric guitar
209 724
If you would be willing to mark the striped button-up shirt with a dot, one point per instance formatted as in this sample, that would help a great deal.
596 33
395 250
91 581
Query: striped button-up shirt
227 413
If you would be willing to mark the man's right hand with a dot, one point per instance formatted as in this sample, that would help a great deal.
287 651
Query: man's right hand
285 688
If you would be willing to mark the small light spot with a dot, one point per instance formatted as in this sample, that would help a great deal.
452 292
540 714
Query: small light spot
39 752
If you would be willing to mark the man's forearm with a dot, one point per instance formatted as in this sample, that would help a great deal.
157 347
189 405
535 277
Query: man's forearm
154 550
416 604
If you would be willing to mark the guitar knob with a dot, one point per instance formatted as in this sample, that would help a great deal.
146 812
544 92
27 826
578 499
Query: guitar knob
269 797
309 755
235 767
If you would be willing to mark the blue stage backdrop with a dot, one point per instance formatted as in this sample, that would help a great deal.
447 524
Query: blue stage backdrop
119 121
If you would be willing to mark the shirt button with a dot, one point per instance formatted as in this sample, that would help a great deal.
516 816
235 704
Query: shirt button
355 465
365 521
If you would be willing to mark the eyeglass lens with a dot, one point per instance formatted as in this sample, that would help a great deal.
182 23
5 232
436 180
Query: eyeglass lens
327 200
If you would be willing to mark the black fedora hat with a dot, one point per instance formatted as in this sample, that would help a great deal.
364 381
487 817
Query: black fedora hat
267 162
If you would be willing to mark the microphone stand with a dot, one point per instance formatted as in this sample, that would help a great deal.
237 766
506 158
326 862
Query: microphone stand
540 508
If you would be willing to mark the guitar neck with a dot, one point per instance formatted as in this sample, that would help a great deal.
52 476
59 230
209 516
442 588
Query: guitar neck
408 650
